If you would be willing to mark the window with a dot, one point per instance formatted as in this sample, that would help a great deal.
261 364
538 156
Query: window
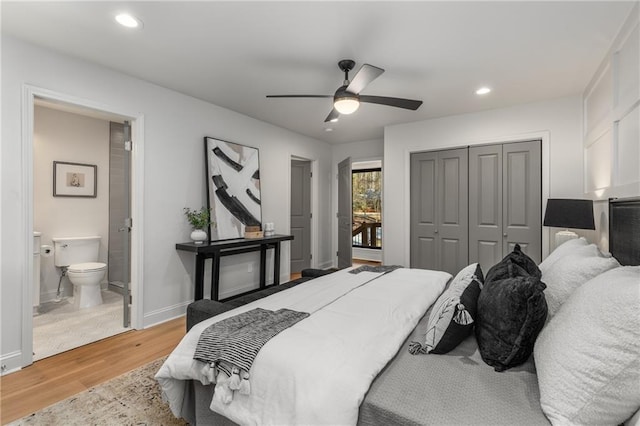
366 190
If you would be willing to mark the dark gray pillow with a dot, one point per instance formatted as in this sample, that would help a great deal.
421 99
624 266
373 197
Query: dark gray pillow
514 264
511 313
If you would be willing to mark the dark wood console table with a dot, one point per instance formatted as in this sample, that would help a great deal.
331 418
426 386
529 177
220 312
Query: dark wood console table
217 249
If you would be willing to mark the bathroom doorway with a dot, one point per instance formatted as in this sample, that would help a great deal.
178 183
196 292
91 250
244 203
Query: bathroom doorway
80 134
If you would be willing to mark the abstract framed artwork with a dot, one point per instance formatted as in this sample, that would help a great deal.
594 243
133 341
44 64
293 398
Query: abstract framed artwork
74 180
233 188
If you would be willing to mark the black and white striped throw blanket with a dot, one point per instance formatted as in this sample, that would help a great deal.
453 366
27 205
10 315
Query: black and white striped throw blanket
231 345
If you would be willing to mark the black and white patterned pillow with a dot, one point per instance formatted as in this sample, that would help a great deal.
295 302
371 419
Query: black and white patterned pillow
453 314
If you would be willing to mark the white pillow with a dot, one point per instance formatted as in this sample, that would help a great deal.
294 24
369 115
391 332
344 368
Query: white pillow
588 356
570 272
562 250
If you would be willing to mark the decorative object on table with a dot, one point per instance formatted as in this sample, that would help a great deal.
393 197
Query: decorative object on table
199 221
269 229
252 232
233 187
568 213
74 180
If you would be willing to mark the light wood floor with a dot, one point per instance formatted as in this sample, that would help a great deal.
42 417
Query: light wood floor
53 379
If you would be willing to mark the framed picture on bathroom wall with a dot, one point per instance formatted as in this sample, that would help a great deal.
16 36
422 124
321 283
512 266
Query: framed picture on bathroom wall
74 179
233 188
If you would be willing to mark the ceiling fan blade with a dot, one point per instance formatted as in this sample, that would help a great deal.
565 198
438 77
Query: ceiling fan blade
332 115
394 102
299 96
365 75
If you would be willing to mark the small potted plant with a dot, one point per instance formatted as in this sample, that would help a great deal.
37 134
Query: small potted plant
199 221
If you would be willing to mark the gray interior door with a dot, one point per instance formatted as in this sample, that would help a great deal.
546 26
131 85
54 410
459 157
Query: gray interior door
522 199
485 205
439 210
345 241
424 252
300 215
504 201
117 213
126 226
453 209
118 262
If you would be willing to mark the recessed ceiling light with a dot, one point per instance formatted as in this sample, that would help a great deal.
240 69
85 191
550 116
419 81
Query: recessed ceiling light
128 21
328 129
483 91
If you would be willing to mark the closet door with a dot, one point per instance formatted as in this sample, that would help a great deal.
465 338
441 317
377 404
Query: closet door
439 210
505 198
424 204
485 205
522 199
453 210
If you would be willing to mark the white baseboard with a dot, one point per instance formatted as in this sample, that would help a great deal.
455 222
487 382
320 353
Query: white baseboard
374 255
239 290
10 362
326 265
165 314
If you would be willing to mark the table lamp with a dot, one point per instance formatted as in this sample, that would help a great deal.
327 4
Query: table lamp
568 213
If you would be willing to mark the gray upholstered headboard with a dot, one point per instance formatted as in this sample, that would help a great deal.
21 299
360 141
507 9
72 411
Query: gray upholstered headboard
624 230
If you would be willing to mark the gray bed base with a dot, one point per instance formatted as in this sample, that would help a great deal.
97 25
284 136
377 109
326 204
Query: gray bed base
458 387
455 388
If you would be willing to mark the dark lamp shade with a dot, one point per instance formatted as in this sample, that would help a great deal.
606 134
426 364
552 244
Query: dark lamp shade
564 213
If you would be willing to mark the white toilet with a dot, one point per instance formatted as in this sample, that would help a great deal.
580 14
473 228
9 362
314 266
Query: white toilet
80 256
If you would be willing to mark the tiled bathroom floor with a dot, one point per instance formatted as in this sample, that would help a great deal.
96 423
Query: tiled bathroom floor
60 327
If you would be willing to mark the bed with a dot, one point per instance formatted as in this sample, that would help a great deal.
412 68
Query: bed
457 387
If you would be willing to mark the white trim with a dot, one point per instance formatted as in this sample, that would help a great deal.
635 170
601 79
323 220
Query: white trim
315 214
543 135
169 313
29 93
10 362
325 265
137 228
373 255
27 225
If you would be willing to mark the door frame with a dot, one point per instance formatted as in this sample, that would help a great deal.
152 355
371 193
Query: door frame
544 136
371 160
29 94
315 209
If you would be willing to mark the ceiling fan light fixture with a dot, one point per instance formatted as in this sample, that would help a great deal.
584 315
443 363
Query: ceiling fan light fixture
346 105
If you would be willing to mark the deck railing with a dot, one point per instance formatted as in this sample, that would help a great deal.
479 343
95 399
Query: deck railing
368 235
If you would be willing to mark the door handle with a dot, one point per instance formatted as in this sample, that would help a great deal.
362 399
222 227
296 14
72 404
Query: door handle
504 235
435 232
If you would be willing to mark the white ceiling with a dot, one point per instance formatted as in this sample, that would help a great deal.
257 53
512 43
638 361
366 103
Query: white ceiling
232 54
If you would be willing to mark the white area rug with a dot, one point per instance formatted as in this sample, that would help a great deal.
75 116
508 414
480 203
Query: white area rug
62 327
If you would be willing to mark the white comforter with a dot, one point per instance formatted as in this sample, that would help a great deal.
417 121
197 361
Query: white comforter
319 370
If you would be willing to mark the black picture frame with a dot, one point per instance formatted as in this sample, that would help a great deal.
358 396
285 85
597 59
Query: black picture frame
233 188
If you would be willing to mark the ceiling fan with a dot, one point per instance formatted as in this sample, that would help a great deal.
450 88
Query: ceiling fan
346 100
